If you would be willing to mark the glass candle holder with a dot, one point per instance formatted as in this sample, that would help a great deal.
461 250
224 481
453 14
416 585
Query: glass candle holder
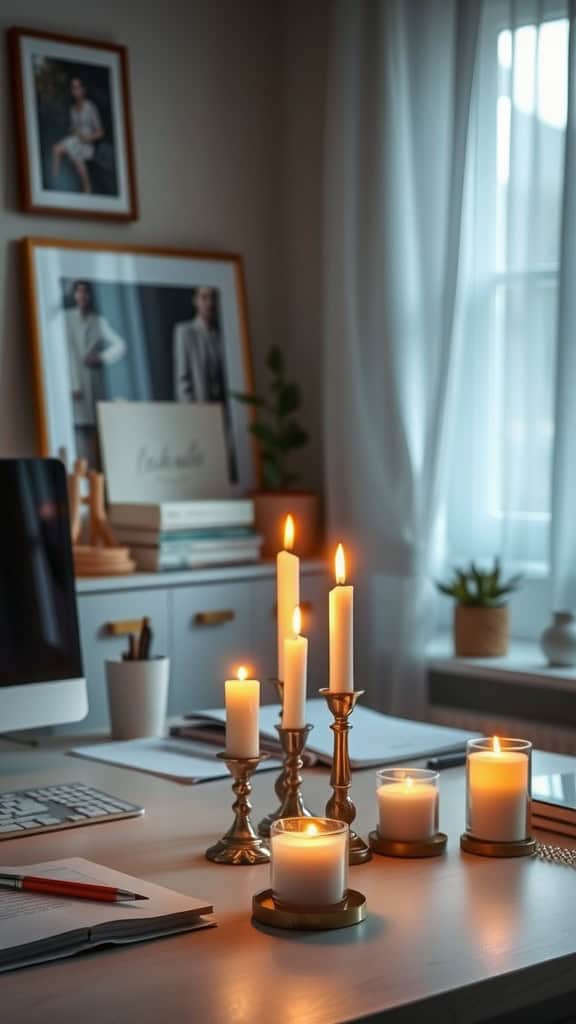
407 804
498 773
309 862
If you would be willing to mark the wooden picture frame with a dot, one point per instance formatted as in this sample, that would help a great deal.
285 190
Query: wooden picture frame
73 125
110 322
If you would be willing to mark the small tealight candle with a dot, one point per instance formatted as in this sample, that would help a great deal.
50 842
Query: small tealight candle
498 789
309 861
242 707
407 804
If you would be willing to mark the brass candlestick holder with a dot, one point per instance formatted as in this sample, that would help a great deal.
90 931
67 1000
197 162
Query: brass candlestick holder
241 844
292 805
281 777
341 805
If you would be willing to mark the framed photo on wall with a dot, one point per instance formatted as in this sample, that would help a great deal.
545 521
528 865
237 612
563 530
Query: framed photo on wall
73 125
112 322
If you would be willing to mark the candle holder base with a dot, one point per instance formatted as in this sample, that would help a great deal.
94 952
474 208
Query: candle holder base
351 911
292 805
490 848
241 844
433 847
359 851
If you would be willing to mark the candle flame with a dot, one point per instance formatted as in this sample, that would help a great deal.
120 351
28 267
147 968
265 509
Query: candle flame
242 673
340 565
311 830
496 745
297 621
409 781
289 532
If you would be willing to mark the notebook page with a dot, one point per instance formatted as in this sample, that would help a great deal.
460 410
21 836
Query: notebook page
32 917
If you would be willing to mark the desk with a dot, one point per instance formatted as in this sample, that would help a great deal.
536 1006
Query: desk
459 939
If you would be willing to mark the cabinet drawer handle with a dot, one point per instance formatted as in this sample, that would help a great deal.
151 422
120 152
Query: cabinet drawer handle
305 608
123 627
214 618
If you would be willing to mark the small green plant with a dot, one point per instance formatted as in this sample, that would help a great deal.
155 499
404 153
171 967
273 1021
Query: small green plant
479 589
275 425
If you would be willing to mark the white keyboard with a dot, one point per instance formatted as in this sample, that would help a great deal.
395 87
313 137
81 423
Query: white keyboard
49 808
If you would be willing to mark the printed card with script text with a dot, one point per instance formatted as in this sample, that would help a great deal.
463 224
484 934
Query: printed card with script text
163 451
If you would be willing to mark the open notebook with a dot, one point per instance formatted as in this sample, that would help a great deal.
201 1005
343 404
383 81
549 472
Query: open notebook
35 928
375 739
176 759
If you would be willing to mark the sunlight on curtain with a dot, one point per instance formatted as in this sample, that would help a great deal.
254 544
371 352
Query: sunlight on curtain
500 493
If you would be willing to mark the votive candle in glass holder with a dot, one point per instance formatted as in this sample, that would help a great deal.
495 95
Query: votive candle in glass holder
498 773
309 862
407 804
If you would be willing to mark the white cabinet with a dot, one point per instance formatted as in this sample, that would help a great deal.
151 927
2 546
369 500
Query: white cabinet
210 635
207 621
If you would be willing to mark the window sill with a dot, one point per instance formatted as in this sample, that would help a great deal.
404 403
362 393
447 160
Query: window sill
524 664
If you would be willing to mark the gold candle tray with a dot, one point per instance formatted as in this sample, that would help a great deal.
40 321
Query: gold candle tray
490 848
351 911
433 847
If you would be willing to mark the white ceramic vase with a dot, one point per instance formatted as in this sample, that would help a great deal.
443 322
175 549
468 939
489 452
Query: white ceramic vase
558 641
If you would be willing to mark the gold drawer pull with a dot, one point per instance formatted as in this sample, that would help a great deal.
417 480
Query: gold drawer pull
214 618
305 607
123 627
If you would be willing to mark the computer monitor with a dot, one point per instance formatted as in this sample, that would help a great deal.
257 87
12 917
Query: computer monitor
41 676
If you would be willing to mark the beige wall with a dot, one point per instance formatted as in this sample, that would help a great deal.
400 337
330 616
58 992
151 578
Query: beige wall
305 50
227 100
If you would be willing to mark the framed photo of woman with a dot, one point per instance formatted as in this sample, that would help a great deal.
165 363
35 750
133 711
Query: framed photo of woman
113 322
73 125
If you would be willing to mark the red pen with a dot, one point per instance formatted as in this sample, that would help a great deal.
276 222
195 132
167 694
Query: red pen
61 887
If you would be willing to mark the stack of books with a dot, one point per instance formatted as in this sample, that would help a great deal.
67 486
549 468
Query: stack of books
554 803
187 534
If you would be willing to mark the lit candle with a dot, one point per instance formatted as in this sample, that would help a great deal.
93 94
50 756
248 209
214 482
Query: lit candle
287 588
498 789
309 861
341 608
407 804
295 667
242 703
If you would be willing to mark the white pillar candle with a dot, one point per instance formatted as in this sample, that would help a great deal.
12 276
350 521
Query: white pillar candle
341 627
309 866
242 706
295 671
287 590
407 809
498 783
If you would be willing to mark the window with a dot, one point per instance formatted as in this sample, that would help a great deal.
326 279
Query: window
502 465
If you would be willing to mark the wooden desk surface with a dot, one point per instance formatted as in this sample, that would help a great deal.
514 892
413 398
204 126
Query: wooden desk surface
456 939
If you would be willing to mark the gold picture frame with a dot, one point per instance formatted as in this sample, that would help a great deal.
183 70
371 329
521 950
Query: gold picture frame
143 307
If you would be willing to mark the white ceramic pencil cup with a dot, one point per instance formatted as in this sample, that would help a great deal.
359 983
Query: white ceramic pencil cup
137 697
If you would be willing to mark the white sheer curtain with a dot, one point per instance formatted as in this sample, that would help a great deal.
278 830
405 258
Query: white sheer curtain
563 546
398 115
501 497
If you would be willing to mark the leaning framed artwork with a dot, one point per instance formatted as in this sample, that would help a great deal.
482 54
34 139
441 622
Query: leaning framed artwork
73 125
112 323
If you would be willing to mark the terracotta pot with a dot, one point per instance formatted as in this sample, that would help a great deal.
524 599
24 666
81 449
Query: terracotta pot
480 632
271 509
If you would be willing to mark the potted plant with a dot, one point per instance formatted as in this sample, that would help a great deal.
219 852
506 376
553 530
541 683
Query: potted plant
481 624
278 434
